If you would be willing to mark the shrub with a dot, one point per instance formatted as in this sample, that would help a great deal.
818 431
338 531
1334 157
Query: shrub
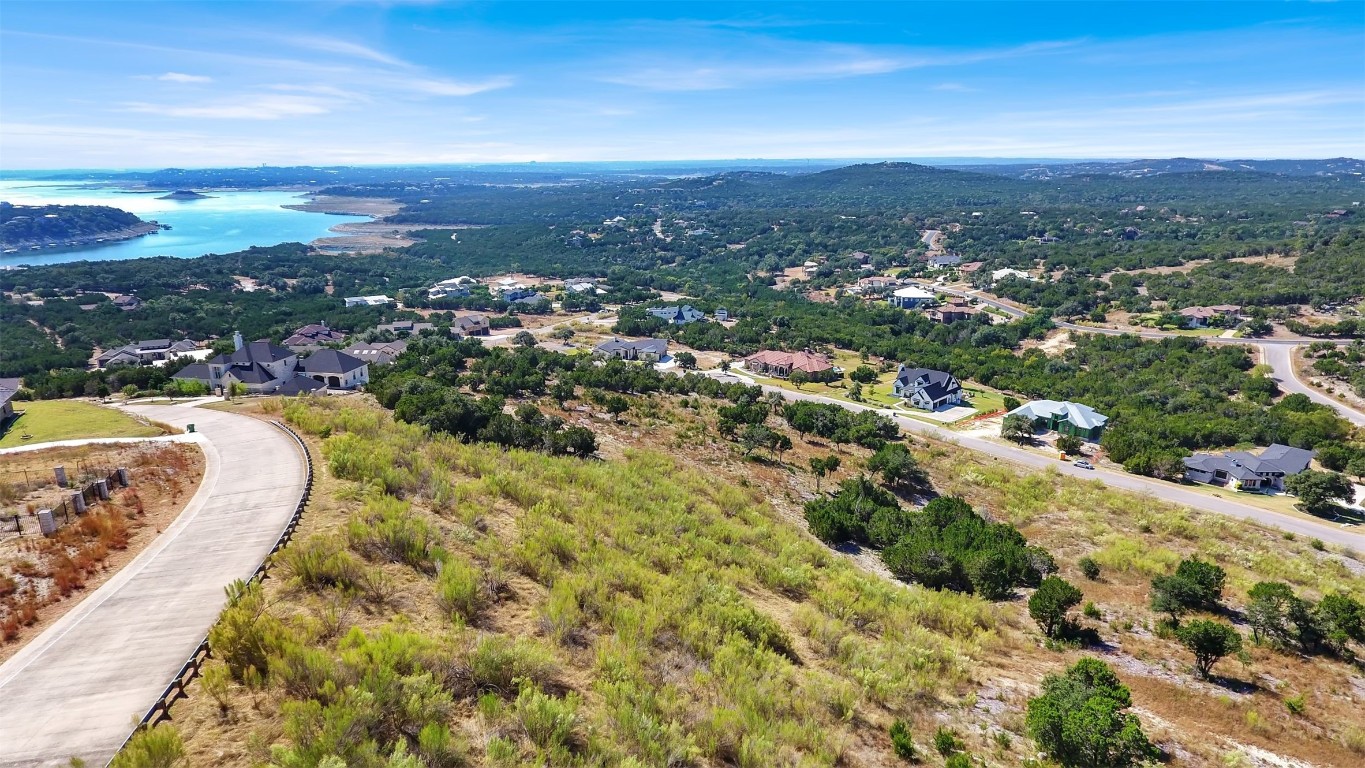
1080 720
158 747
500 664
1296 704
958 760
1089 567
946 742
549 721
459 588
901 741
1048 605
1092 611
1209 641
320 563
1194 585
246 635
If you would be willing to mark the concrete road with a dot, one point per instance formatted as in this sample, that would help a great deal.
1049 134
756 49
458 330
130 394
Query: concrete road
80 687
1330 533
1281 358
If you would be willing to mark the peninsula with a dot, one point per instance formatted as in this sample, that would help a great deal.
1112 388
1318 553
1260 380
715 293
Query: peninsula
58 226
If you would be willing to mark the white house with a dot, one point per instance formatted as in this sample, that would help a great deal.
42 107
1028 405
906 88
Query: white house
1006 272
927 389
911 297
368 301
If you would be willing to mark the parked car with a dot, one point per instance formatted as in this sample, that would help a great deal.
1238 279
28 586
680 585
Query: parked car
1083 464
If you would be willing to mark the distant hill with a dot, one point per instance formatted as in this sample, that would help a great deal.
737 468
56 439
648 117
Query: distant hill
184 194
1339 166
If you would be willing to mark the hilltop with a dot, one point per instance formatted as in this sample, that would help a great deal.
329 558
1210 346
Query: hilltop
38 226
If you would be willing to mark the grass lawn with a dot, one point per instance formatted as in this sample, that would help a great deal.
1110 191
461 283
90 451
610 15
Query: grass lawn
48 420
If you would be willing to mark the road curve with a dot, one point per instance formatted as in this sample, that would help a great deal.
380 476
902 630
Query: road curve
1330 533
1281 359
78 688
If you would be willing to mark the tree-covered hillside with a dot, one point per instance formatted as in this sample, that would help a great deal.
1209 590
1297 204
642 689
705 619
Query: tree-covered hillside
22 225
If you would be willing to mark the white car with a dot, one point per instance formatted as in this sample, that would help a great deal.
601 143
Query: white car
1083 464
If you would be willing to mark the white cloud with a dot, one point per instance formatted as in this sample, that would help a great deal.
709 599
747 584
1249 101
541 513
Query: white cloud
442 87
770 61
181 77
954 88
346 48
262 107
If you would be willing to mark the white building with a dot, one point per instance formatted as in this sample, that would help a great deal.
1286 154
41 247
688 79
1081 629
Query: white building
368 301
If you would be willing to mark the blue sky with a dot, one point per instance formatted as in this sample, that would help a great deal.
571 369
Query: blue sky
123 85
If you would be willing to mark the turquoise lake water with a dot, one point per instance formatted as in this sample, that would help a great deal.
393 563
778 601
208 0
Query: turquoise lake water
223 223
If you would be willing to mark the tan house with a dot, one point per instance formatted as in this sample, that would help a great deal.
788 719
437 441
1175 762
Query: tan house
782 364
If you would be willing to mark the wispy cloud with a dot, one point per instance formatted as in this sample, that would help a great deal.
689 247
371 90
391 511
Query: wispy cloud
262 107
442 87
181 77
954 88
346 48
782 61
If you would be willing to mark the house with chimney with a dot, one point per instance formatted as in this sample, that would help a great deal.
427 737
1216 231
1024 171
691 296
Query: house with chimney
145 352
648 350
1200 317
313 336
263 368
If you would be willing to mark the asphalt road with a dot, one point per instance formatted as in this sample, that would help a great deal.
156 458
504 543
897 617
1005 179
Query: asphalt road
1328 532
78 688
1277 353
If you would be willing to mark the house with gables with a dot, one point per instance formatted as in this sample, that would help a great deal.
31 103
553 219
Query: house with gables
1248 471
927 389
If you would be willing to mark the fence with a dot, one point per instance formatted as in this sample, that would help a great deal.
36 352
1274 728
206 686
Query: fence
66 512
161 710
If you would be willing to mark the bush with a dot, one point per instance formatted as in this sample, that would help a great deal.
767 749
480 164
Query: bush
901 741
1048 605
500 664
1080 720
459 588
1089 567
946 742
1209 641
157 747
321 563
245 635
1194 585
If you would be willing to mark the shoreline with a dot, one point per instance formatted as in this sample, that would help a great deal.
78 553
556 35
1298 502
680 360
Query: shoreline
364 237
118 235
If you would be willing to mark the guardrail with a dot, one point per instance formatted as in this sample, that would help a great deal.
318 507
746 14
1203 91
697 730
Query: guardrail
161 710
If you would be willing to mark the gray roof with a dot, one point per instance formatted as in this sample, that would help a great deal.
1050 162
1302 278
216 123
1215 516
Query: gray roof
655 346
330 361
675 314
1276 459
255 352
1078 414
196 371
938 384
379 352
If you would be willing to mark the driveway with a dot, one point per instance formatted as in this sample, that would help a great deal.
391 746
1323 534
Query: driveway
78 688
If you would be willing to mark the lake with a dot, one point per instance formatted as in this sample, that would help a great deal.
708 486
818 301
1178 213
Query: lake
223 223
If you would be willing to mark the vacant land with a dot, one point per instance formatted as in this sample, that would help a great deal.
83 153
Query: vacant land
43 578
45 421
666 606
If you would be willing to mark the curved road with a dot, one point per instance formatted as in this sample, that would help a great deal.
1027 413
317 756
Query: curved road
1277 353
79 687
1335 534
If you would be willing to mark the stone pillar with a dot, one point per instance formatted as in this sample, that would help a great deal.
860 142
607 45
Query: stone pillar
46 523
123 477
78 503
60 472
102 489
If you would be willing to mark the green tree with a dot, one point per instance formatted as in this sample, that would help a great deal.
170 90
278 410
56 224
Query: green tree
1050 603
1090 567
1268 611
1209 641
1341 620
686 361
616 405
897 467
524 339
1017 428
1196 584
863 374
1011 403
1080 720
1319 492
799 378
821 467
1070 444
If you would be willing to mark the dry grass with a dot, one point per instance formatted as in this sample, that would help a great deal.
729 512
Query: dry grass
540 544
42 578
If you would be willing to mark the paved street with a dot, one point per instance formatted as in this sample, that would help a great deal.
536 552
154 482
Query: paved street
1328 532
79 687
